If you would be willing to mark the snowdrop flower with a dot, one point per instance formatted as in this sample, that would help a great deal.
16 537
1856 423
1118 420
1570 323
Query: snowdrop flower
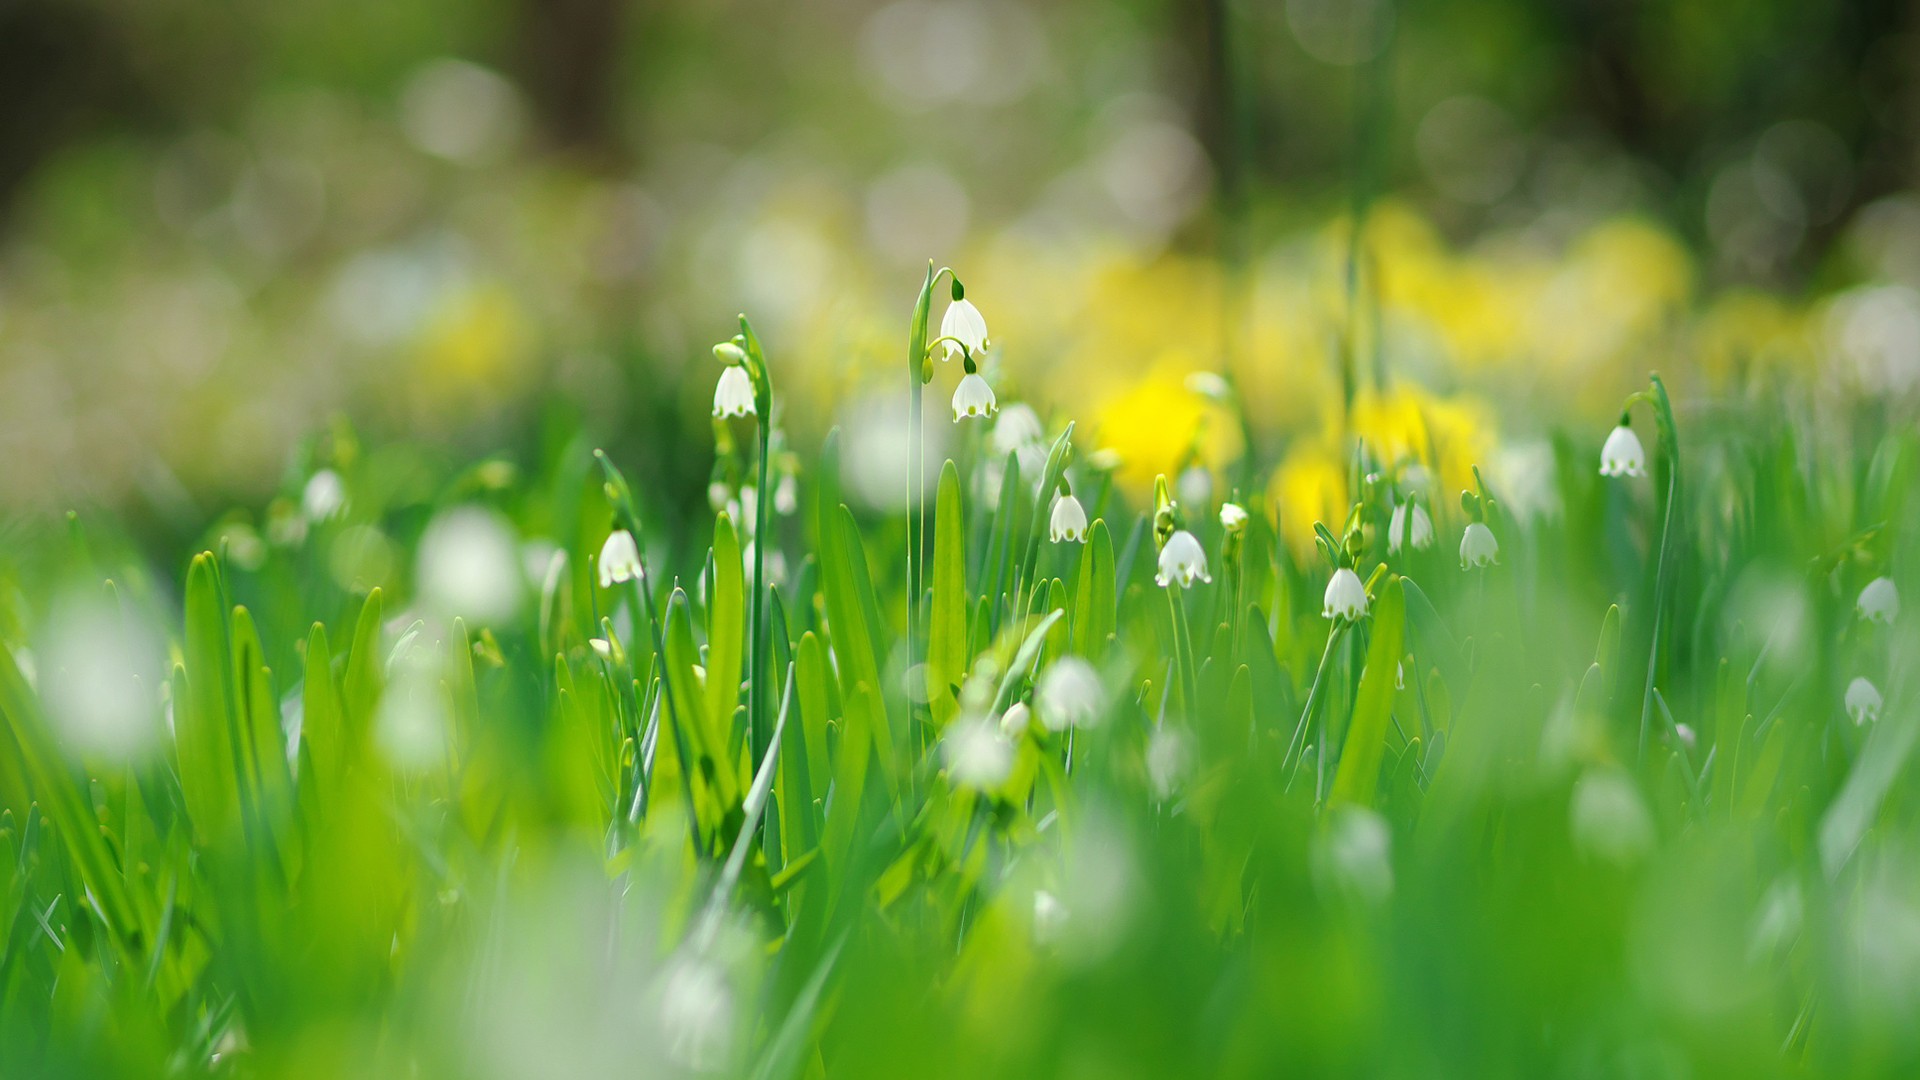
733 394
1414 526
1049 917
963 323
977 754
1017 429
469 565
324 496
1168 760
1069 520
1623 455
1182 560
1478 547
97 675
1863 701
1233 518
697 1015
1208 385
619 559
1069 694
786 495
973 397
1352 857
1195 486
1607 818
1014 724
601 648
1879 601
1346 597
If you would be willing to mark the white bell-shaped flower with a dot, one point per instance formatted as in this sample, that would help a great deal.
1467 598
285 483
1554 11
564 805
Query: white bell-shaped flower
1182 560
324 496
1409 525
1346 596
973 398
1863 701
1233 518
964 323
1623 455
1016 720
977 754
1017 429
1478 547
1879 601
733 394
1069 695
1069 520
619 559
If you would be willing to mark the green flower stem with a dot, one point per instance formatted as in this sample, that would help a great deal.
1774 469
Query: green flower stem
1662 581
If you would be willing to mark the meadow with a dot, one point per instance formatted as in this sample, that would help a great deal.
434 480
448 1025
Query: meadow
1388 763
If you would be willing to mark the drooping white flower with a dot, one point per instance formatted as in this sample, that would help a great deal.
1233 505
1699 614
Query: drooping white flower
697 1015
1414 528
977 754
1863 701
1478 547
1607 817
1014 724
1182 560
964 323
786 495
1194 486
1346 596
1233 518
1168 760
1049 917
1209 385
1879 601
1352 857
973 398
324 496
1069 694
1623 455
1069 520
1018 428
733 394
98 673
469 565
619 559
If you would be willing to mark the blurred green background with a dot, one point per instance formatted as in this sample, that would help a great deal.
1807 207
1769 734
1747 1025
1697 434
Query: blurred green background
223 225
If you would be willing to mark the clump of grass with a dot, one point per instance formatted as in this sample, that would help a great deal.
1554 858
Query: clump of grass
1024 778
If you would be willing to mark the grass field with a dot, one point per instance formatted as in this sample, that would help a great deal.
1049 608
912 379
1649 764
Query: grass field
511 767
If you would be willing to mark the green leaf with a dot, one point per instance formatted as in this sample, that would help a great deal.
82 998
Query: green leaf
850 602
1359 770
203 731
320 724
1095 603
726 626
816 709
366 673
947 633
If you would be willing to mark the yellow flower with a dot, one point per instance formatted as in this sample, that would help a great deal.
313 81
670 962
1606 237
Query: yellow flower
1309 486
1153 423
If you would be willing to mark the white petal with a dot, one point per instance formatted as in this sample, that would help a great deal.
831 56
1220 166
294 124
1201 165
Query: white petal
1069 521
733 395
973 398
